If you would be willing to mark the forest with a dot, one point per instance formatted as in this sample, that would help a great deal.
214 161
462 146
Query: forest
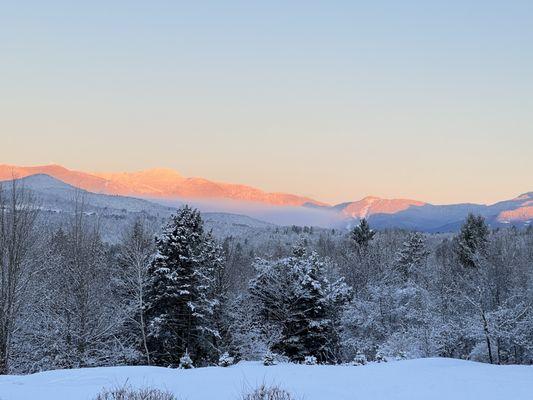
178 295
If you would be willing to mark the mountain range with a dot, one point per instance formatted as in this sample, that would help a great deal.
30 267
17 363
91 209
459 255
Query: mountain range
157 183
169 188
59 200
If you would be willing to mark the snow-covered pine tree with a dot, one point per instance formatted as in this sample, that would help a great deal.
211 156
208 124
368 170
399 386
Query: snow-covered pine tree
472 240
225 360
412 256
215 329
295 294
181 299
307 327
362 234
186 361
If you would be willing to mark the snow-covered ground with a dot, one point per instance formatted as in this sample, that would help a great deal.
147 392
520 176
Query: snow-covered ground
425 379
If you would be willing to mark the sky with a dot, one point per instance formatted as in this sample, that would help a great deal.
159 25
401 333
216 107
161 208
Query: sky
335 100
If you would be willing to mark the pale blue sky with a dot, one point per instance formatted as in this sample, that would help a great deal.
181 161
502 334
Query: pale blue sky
332 99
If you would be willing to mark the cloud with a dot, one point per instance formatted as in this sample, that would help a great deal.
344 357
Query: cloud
280 215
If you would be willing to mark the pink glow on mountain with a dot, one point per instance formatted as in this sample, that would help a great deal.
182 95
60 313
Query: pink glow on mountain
157 183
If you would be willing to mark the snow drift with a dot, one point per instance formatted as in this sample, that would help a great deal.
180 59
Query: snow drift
432 378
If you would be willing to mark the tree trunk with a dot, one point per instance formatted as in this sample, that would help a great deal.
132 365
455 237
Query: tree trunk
3 358
141 313
487 335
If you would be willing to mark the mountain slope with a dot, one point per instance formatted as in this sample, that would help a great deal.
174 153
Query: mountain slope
374 205
52 193
448 218
156 183
75 178
167 183
523 213
58 201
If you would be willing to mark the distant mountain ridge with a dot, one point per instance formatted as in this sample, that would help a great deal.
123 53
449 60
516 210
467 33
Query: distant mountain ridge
374 205
157 183
167 184
446 218
59 200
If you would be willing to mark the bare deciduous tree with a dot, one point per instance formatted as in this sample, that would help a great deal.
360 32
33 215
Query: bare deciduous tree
136 253
18 214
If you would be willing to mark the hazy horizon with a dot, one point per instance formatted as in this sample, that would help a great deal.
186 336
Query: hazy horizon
331 100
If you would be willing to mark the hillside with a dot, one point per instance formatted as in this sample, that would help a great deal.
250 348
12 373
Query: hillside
374 205
58 200
156 183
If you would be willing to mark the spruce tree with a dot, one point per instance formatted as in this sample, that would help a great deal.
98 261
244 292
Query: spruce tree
362 234
295 294
472 240
412 255
306 330
181 299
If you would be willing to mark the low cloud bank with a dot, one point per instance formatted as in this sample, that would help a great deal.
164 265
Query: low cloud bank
279 215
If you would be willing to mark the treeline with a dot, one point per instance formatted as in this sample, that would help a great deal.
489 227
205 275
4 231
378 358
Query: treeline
177 296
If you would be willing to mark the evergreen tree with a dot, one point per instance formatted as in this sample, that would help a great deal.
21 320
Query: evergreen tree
412 255
362 234
307 328
472 240
295 293
181 297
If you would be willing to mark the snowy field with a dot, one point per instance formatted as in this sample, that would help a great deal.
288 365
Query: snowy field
406 380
